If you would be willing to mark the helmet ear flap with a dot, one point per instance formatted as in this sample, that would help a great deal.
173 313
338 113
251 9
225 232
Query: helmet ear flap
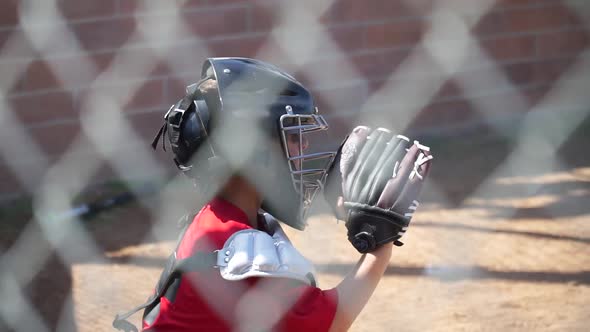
186 127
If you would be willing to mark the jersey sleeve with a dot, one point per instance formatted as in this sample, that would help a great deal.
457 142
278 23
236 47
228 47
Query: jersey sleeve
207 234
314 310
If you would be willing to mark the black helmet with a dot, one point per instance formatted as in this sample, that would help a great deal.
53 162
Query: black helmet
249 117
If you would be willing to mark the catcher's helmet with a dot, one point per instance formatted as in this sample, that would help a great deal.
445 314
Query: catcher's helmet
245 116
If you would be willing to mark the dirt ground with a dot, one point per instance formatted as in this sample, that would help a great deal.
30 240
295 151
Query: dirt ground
501 242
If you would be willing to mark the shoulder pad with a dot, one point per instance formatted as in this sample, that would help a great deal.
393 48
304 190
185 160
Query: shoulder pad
253 253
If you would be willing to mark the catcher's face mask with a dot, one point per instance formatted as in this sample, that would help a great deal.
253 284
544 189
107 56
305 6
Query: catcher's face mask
302 137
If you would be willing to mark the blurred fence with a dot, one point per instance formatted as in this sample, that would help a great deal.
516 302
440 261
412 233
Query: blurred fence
84 84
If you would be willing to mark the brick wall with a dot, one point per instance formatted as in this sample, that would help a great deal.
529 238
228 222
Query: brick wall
531 43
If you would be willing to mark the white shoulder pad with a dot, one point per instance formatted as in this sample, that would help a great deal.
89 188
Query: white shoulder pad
254 253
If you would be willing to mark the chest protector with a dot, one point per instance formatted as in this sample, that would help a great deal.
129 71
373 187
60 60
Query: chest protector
247 253
254 253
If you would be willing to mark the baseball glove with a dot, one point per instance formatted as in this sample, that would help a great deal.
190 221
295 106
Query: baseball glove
374 183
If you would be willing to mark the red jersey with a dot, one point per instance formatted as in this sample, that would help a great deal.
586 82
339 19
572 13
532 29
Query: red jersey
205 301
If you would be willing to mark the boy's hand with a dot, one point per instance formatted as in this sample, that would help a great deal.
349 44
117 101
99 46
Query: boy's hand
374 184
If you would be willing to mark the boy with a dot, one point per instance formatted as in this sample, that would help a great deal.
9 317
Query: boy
244 134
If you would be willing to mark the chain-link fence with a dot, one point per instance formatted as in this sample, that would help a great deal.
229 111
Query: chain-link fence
502 214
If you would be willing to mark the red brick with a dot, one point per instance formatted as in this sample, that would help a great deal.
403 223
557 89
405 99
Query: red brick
17 78
562 43
39 76
147 95
549 71
245 46
147 124
266 14
342 39
9 13
327 72
176 87
9 184
434 116
42 74
539 18
503 4
217 22
75 9
219 3
102 61
128 6
379 65
194 4
376 84
368 10
370 65
448 90
520 73
4 35
104 34
180 58
526 16
419 74
42 107
139 6
155 65
438 115
263 16
395 34
55 139
491 23
510 48
105 60
20 45
537 93
163 68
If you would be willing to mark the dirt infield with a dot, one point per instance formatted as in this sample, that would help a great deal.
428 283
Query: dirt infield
493 247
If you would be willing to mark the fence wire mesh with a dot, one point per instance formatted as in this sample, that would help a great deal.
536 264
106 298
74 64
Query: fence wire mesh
461 252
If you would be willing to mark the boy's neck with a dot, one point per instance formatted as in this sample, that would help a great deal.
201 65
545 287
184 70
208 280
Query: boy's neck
243 195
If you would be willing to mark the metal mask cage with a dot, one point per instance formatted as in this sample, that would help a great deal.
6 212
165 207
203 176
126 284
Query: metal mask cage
308 165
